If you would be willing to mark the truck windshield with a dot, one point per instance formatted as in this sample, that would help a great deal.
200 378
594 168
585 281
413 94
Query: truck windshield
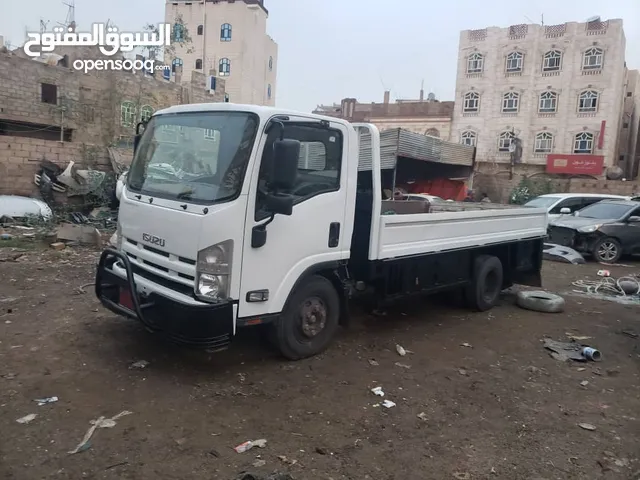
194 157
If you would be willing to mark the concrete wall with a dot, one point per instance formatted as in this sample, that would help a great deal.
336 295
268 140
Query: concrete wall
90 105
248 51
533 41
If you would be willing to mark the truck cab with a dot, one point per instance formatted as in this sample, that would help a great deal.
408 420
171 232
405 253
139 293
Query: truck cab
238 215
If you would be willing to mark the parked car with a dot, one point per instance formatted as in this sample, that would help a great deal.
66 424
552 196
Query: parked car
421 196
558 204
607 230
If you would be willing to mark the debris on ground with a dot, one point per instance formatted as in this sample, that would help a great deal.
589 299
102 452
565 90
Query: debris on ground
401 351
259 463
83 234
388 404
462 475
540 301
564 351
257 476
629 333
139 364
321 451
377 391
584 383
467 345
577 338
248 445
422 416
44 401
58 246
623 290
100 422
403 365
604 273
81 289
559 253
374 363
587 426
288 461
27 418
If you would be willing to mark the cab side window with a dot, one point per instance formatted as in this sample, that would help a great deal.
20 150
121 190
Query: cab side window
319 163
573 204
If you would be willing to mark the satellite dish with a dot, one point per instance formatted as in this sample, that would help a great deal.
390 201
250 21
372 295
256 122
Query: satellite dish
595 18
431 96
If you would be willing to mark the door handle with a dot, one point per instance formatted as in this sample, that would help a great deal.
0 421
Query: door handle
334 234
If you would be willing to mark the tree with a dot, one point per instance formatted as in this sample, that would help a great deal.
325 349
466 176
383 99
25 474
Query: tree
180 37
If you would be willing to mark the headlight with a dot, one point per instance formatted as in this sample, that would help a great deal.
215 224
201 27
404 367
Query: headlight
589 229
213 272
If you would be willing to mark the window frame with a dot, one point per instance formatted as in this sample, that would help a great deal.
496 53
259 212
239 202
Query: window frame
226 32
546 60
469 134
519 59
584 96
301 126
589 137
537 142
506 135
467 99
553 98
144 109
478 59
514 98
128 109
224 62
593 52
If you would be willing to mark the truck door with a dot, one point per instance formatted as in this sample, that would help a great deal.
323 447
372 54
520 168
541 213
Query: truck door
316 232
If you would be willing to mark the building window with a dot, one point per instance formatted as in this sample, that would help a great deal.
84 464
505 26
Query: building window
270 64
225 67
128 111
210 134
468 138
588 102
629 94
198 64
225 32
583 143
177 62
514 62
178 32
548 102
471 102
544 143
504 141
592 59
49 93
226 97
145 113
552 61
269 91
475 63
433 132
510 102
200 29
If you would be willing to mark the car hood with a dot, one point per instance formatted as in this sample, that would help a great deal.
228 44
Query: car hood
578 222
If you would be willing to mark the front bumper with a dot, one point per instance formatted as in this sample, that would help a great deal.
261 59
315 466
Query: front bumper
581 242
196 325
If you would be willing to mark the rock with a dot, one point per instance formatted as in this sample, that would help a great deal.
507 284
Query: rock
58 246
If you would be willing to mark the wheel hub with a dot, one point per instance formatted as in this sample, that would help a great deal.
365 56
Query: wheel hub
313 317
607 251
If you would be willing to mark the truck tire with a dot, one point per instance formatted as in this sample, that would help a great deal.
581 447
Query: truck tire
309 320
483 291
540 301
607 250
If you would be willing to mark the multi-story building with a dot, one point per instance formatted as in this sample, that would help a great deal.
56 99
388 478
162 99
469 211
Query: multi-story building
425 116
230 37
558 89
629 144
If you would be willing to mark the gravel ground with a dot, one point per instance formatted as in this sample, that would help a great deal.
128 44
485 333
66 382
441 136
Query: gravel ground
498 408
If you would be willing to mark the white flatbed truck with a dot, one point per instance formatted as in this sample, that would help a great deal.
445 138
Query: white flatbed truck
239 215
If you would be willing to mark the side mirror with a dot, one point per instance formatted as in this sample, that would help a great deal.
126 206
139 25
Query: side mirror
634 219
279 203
286 154
565 210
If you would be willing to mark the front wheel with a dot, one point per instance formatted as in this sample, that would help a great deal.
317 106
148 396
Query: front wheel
483 292
310 319
607 250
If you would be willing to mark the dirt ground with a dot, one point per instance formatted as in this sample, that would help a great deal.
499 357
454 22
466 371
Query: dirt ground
498 408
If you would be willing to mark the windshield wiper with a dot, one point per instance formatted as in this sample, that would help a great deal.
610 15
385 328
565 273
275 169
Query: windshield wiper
186 195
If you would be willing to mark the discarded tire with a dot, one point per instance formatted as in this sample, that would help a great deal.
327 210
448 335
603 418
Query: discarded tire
540 301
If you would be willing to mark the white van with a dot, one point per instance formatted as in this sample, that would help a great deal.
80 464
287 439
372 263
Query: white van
558 204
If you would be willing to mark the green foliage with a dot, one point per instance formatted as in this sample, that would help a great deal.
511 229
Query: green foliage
529 188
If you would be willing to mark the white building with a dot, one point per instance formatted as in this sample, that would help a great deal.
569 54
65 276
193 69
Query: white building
560 88
230 37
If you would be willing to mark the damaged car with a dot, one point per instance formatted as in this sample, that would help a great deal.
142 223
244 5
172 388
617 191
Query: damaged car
607 230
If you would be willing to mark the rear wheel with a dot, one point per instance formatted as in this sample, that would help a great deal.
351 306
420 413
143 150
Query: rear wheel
607 250
310 319
483 291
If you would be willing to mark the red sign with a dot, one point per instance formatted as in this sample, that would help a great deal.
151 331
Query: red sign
575 164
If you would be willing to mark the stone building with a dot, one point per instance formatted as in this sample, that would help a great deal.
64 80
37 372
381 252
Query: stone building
425 116
629 144
56 113
558 88
230 37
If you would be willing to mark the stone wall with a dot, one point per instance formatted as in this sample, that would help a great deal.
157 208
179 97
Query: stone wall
89 106
497 182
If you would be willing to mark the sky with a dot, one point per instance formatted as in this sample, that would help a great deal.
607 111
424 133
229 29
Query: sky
333 49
